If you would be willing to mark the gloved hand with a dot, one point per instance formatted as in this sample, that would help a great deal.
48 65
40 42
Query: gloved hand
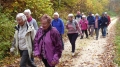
12 49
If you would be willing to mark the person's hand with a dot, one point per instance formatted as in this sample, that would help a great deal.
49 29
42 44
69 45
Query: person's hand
53 62
81 34
106 23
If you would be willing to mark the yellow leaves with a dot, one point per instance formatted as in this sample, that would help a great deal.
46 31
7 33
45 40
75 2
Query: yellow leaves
95 6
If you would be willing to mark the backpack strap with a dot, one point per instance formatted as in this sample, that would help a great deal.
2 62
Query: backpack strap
44 34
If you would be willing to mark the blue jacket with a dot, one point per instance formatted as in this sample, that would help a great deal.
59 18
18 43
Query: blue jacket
104 21
59 24
91 20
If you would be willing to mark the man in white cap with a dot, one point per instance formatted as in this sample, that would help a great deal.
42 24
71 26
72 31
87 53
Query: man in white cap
59 24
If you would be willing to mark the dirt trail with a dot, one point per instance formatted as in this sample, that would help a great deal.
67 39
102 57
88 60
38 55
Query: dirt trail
89 52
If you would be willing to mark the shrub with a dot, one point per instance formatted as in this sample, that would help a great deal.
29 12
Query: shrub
6 34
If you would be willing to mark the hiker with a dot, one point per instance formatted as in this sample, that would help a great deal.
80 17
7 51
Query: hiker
78 17
97 25
59 24
30 20
47 43
109 20
23 40
73 29
82 14
104 22
84 26
91 22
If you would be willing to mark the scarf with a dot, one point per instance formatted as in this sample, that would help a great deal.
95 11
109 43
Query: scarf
29 19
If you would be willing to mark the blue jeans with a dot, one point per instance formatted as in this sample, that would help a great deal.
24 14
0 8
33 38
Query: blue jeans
104 29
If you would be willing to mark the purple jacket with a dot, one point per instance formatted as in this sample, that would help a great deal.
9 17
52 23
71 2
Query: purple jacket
53 45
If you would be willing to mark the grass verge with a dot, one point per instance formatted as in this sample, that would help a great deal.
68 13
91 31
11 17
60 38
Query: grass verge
117 43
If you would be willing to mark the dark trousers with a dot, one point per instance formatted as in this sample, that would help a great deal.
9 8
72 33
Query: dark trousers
25 59
72 38
46 63
97 32
62 41
86 33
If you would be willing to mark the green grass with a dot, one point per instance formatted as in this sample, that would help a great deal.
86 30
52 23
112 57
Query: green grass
117 44
112 14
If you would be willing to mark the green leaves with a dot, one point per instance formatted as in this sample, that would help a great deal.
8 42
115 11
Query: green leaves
39 7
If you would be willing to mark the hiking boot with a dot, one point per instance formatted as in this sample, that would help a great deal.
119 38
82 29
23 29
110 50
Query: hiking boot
81 37
87 37
104 36
73 54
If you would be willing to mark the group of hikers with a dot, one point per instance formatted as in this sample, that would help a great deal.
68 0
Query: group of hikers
45 42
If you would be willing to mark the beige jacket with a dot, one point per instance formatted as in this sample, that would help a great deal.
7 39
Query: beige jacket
29 37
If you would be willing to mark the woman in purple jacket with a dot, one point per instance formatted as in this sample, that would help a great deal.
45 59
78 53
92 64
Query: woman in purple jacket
47 43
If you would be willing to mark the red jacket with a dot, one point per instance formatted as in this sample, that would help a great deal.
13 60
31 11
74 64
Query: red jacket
108 20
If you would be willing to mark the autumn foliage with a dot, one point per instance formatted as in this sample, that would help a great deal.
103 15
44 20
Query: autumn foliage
9 9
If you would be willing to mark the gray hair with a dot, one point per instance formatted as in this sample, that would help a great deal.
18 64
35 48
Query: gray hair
27 10
21 15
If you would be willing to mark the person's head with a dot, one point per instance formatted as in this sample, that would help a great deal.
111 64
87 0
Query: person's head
27 12
45 21
105 13
97 15
70 17
90 14
56 15
21 19
78 12
93 15
83 17
82 14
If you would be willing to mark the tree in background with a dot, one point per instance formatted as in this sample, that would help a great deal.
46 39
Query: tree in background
38 7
